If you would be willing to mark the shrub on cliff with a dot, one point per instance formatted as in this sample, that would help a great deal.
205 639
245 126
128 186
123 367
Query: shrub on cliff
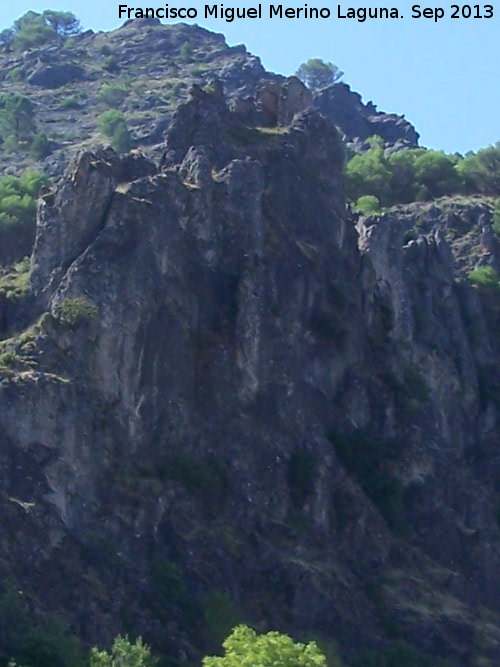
113 95
112 124
77 310
367 205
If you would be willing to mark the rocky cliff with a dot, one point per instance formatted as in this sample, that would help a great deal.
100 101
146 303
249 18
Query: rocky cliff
223 398
145 69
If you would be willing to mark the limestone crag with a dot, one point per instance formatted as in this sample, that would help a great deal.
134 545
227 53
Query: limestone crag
231 389
359 121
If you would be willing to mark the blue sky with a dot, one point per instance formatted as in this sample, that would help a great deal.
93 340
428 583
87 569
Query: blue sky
442 75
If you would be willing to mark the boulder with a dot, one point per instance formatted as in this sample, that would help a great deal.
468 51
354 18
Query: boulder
55 76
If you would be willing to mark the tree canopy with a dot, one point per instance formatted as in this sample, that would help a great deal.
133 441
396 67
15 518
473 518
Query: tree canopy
245 648
17 117
34 29
419 174
123 654
317 73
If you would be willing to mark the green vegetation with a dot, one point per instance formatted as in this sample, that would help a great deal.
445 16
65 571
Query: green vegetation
35 29
71 102
110 63
369 459
18 198
367 205
206 478
220 615
15 281
186 51
113 95
317 73
77 310
17 118
40 147
121 140
168 581
112 124
245 648
419 174
40 641
123 654
486 279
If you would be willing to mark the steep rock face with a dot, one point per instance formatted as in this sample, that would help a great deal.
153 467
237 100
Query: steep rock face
232 391
359 121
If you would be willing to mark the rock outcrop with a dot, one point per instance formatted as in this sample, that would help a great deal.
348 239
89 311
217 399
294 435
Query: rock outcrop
360 121
226 389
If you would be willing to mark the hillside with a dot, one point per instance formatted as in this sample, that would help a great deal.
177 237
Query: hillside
224 396
145 69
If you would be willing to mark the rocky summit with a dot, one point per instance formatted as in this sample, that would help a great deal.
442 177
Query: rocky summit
226 398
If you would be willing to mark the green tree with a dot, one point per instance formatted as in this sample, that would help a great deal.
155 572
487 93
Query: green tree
369 174
403 183
34 29
109 121
112 124
245 648
186 51
40 147
31 30
18 197
480 172
121 140
317 73
123 654
436 172
17 117
367 205
63 23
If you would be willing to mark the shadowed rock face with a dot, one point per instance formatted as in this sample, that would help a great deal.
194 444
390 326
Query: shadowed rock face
359 121
235 390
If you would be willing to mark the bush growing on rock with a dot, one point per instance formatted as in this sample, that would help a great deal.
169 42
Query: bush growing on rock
485 278
109 121
113 95
367 205
74 311
112 124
